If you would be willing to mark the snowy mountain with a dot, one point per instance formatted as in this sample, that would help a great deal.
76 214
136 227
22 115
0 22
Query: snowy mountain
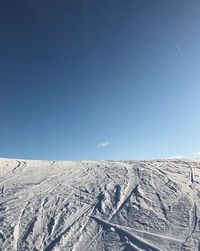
99 205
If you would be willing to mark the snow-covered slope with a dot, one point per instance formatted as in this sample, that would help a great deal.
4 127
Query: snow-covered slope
99 205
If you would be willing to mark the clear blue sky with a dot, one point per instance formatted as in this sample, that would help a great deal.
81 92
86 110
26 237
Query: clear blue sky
99 79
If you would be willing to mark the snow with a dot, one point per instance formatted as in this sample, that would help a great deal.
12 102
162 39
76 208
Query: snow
100 205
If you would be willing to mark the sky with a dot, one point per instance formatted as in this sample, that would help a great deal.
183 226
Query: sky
90 79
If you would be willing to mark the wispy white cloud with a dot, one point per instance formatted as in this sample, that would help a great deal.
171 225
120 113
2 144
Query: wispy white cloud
195 155
178 48
103 144
176 157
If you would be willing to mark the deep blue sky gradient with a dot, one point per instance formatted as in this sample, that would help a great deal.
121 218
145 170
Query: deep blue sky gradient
74 74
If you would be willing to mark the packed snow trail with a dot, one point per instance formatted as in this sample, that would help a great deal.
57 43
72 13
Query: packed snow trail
99 205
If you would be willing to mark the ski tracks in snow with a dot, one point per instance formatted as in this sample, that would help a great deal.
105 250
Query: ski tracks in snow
66 202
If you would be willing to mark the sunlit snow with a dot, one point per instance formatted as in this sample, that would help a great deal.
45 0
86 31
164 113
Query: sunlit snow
99 205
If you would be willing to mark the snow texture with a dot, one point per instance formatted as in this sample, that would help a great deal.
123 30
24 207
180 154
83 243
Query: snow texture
99 205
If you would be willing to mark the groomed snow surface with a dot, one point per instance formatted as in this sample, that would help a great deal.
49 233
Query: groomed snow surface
99 205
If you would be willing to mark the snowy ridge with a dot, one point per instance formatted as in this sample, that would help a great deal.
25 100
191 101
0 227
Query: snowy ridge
99 205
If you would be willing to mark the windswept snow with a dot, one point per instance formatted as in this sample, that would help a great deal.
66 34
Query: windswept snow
99 205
